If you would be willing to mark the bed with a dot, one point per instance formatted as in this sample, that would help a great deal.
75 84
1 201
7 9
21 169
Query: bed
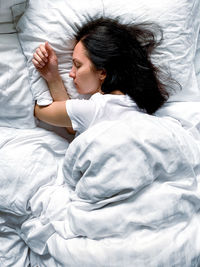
98 199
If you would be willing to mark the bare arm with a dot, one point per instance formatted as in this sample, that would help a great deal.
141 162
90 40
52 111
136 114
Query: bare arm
54 114
45 60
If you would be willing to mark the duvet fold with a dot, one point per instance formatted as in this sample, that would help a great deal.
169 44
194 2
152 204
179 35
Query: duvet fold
129 197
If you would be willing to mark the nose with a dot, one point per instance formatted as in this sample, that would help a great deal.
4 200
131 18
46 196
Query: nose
72 73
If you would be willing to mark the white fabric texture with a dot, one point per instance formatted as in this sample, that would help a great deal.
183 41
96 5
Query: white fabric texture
85 113
197 60
56 22
187 113
5 10
16 100
132 199
7 17
29 159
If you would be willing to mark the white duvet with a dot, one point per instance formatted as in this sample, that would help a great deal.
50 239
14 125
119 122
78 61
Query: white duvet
127 195
29 159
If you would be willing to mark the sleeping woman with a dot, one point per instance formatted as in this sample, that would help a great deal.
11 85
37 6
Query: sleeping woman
130 192
111 62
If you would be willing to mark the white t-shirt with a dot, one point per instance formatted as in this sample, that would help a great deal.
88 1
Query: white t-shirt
85 113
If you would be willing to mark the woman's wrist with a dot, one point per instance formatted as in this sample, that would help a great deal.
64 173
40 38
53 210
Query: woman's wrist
53 78
57 89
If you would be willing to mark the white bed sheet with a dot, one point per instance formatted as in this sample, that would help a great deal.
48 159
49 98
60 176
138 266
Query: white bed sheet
5 9
197 60
16 100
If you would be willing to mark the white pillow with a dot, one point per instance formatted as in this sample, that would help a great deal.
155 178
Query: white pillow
55 21
16 101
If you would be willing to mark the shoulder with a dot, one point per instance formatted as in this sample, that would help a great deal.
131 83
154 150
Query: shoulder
82 112
74 106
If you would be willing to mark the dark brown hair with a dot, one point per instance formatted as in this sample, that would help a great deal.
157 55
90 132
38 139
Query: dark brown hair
123 51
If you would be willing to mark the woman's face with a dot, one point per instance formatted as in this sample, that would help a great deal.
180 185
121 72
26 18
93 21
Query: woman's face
86 79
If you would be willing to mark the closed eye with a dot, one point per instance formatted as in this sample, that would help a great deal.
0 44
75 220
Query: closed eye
76 63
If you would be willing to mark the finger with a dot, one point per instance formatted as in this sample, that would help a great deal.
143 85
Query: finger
38 59
48 48
41 51
37 64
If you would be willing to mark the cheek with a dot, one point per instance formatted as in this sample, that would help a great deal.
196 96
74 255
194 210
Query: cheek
87 76
92 81
87 80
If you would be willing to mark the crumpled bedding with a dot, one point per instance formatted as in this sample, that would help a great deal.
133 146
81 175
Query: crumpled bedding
29 159
128 195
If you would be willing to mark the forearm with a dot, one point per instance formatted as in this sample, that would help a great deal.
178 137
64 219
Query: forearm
57 89
54 114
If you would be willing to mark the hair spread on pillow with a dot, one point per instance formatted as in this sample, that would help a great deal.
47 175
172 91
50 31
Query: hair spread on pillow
124 51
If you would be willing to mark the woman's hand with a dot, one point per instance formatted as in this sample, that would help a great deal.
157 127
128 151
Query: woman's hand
46 62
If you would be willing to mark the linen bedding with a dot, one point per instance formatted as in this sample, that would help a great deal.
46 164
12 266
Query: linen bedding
124 193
